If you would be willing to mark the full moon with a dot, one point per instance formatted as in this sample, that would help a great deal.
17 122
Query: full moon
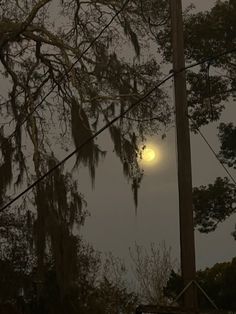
148 154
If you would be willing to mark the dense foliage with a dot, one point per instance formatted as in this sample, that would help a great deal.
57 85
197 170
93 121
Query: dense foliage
227 136
218 282
95 286
211 87
213 204
207 34
211 34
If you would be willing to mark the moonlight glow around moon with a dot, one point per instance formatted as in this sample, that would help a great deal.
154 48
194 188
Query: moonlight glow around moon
150 155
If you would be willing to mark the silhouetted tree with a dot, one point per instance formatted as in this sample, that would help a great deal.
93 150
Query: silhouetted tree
217 281
95 287
210 86
227 136
152 268
37 55
207 34
213 204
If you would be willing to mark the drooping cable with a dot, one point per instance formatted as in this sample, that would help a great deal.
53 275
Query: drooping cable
204 60
209 59
172 73
212 150
132 106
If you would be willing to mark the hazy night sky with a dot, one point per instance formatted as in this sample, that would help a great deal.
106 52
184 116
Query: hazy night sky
113 225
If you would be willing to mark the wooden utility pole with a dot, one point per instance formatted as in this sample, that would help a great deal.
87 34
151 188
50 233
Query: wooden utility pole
188 267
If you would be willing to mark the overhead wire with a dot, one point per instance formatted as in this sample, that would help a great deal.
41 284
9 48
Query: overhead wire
106 126
172 73
142 120
18 126
209 63
208 59
212 150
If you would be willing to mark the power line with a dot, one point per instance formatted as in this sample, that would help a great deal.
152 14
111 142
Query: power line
172 73
204 60
212 150
87 141
208 59
66 73
142 120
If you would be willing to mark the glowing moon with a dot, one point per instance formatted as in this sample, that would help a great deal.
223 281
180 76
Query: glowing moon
148 154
